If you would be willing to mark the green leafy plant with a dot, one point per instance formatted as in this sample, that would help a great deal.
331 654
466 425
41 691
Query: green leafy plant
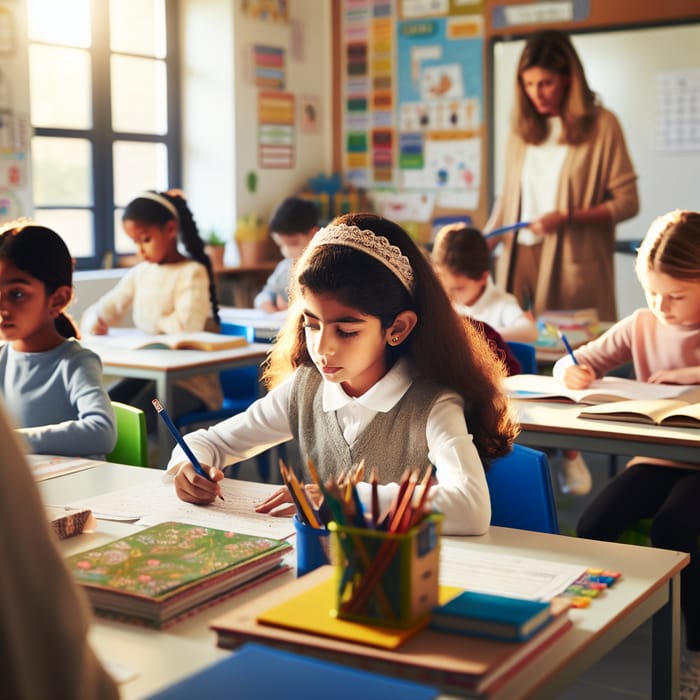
214 239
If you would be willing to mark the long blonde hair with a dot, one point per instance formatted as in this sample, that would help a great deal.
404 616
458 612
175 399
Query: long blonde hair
552 50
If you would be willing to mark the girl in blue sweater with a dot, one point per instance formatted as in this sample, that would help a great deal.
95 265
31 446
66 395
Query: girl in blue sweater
51 385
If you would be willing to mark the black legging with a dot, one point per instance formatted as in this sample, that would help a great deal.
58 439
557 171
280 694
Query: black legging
671 497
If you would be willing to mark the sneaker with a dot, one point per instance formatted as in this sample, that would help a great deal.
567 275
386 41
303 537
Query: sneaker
574 477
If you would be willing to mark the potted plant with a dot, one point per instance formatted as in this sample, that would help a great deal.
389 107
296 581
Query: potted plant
214 247
251 237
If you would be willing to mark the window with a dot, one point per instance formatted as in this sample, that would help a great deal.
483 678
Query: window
104 109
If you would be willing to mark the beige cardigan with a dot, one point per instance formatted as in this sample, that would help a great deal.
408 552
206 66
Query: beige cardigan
576 269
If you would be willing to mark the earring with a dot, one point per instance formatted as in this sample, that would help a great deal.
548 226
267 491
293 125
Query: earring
394 339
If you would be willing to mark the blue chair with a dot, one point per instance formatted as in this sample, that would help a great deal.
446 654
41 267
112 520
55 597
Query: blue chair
521 491
525 354
241 387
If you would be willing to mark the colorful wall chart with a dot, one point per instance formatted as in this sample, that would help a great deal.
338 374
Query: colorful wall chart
275 129
440 96
413 96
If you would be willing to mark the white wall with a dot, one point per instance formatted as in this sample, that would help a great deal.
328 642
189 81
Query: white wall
220 107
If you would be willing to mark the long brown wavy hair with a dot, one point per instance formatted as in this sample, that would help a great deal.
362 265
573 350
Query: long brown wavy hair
552 50
442 346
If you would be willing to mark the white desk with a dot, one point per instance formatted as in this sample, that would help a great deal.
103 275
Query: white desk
262 326
165 367
649 589
551 424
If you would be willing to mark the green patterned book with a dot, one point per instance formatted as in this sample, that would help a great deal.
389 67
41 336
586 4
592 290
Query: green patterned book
166 571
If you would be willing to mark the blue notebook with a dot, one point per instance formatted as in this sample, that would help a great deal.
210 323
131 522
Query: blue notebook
493 616
255 671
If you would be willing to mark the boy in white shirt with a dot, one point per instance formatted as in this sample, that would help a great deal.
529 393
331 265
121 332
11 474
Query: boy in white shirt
463 263
292 226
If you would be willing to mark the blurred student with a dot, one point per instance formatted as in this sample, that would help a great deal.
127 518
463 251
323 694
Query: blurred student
463 262
52 386
44 616
168 292
292 225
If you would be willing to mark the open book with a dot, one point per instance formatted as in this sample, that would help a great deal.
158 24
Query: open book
134 339
542 388
661 412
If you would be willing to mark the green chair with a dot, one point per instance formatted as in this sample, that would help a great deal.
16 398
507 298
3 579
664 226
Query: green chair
132 441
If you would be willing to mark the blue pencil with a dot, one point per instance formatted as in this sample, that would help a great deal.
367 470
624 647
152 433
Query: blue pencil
505 229
568 347
181 441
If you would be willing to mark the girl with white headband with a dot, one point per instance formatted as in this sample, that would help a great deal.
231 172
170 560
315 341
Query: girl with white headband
373 363
167 293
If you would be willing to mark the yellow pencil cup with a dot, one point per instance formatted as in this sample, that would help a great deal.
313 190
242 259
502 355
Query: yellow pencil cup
386 579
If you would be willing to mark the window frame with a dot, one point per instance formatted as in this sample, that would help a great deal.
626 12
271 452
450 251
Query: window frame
102 136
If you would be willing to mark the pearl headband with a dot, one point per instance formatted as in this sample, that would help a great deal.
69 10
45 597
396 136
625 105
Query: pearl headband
370 243
163 201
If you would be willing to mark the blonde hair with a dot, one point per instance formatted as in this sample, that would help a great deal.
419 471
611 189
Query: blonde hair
671 246
553 51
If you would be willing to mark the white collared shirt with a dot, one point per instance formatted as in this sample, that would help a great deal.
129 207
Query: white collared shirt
461 493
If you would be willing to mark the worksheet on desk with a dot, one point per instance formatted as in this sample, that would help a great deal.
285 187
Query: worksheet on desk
156 503
508 575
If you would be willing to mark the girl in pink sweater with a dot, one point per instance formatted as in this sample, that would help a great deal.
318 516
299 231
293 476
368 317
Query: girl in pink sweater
663 344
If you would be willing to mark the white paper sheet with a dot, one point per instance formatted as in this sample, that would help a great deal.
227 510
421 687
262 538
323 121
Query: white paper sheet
158 503
513 576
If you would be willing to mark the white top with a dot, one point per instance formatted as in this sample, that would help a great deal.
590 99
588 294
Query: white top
461 493
540 179
169 298
501 310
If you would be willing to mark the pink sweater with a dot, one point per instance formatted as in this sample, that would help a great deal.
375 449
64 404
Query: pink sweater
643 340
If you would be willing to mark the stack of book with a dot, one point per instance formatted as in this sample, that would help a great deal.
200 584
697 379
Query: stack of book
164 572
297 617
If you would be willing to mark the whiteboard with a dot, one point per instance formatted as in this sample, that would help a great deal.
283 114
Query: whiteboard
623 67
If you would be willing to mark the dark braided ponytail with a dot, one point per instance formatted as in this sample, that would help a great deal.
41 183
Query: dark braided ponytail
189 235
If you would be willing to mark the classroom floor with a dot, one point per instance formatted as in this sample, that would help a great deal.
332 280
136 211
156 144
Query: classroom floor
624 673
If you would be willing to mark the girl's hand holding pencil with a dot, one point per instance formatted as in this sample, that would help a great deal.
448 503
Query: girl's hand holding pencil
192 487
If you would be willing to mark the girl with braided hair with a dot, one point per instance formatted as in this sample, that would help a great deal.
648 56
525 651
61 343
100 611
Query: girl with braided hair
168 292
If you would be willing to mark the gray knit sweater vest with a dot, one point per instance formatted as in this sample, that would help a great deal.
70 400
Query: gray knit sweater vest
391 443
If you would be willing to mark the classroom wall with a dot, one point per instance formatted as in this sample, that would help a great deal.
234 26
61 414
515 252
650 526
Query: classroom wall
220 109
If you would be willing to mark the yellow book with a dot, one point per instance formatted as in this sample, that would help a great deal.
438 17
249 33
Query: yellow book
310 611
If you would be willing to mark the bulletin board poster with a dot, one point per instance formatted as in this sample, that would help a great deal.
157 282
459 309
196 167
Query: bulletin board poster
440 104
369 67
412 93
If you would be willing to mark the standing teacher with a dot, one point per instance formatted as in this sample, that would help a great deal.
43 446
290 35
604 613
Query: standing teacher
569 174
